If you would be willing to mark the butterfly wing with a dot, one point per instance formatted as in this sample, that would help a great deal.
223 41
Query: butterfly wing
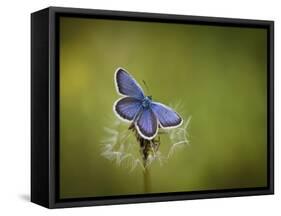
127 108
146 124
167 117
126 85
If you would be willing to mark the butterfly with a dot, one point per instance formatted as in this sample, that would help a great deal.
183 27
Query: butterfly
135 107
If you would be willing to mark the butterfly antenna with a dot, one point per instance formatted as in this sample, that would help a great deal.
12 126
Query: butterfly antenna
146 86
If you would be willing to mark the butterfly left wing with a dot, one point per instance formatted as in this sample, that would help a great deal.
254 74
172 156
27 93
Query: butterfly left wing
126 85
146 124
127 108
167 117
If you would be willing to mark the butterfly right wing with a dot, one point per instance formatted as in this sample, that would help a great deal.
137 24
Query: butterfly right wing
127 108
167 117
126 85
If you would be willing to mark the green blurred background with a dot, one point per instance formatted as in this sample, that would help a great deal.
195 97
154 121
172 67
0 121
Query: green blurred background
219 75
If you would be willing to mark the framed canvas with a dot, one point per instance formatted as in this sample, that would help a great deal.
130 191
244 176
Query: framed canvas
139 107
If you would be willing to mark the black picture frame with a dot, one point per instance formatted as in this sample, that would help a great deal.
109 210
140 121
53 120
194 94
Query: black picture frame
45 106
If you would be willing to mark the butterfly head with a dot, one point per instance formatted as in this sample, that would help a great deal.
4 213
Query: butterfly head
146 102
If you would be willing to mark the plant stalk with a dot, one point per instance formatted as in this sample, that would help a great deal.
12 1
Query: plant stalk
147 147
147 180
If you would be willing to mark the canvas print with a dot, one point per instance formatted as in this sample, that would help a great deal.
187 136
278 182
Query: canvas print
154 107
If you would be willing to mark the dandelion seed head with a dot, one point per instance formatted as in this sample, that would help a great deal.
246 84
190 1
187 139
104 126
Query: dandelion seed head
119 144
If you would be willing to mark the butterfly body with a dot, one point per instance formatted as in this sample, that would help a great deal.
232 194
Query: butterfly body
146 102
146 115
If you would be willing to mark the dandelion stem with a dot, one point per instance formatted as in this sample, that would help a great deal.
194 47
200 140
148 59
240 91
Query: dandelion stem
146 148
147 179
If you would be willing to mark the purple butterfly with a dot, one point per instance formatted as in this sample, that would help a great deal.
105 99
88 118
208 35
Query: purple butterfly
135 107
